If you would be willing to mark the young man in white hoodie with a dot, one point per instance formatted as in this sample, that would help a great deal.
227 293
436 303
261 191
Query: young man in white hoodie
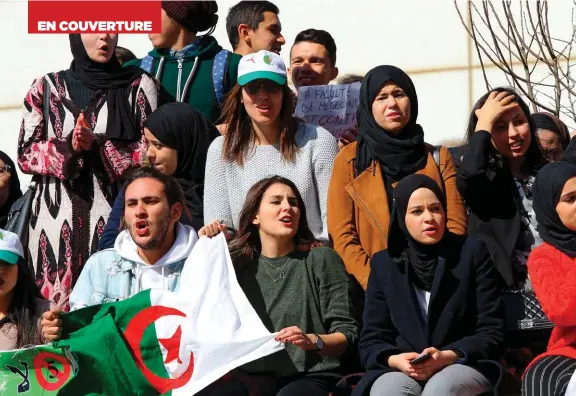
149 253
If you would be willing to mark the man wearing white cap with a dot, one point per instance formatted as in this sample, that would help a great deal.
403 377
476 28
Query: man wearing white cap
264 139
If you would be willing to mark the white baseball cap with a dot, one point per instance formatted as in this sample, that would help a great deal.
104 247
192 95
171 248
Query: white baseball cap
10 247
262 64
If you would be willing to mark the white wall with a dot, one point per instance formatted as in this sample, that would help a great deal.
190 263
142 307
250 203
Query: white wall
416 35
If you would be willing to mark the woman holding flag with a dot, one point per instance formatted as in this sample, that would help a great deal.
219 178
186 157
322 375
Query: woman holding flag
298 287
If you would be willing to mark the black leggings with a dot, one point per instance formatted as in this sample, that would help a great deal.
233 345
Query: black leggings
313 384
549 376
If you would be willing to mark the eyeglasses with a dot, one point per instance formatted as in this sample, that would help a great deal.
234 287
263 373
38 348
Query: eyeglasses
270 87
4 169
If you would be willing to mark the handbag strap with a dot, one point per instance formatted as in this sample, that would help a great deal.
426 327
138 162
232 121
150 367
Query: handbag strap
46 103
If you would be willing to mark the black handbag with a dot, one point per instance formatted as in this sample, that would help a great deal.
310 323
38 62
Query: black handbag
20 211
523 311
19 216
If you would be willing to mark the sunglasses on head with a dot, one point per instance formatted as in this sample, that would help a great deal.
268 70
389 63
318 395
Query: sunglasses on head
253 87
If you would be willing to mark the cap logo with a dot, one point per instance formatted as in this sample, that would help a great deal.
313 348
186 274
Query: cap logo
1 236
250 60
268 59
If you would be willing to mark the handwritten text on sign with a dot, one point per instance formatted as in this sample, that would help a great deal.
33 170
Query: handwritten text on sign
332 107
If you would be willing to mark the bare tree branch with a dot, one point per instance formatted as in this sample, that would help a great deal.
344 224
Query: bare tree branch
516 38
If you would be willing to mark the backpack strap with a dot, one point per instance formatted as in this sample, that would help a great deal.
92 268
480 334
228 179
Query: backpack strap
457 158
436 154
219 74
147 64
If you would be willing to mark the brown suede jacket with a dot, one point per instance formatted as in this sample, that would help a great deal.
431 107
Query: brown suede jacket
358 212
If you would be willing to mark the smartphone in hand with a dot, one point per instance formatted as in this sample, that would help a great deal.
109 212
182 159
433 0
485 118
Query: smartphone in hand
421 359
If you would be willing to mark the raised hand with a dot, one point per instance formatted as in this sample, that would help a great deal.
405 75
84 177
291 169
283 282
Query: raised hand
82 136
212 229
495 106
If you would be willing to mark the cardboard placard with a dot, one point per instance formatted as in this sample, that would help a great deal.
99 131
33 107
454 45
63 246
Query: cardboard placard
332 107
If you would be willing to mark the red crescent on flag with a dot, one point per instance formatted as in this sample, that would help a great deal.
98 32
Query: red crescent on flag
134 333
41 361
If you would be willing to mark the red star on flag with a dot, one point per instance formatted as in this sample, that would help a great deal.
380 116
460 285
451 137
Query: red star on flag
172 346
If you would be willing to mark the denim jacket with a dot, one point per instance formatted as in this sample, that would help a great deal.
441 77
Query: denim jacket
116 274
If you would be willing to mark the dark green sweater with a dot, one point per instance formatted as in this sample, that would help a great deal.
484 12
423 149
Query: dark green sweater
313 296
200 93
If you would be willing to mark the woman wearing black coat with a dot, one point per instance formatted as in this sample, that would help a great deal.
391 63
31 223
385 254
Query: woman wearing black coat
495 179
430 293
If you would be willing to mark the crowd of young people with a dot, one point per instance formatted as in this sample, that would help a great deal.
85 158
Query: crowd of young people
377 247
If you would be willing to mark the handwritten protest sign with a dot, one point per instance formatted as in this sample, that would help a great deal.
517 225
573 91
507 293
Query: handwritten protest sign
332 107
40 370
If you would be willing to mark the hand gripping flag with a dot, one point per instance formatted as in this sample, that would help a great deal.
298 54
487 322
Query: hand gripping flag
159 342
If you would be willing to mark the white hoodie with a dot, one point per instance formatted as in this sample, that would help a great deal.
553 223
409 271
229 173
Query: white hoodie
153 276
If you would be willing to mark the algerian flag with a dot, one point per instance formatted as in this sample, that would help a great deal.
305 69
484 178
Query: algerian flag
159 342
36 371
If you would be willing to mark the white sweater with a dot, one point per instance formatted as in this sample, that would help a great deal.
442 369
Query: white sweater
226 183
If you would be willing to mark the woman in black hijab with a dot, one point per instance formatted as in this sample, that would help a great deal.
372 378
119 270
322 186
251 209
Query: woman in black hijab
432 319
82 132
9 186
423 258
551 269
178 138
552 134
390 146
115 81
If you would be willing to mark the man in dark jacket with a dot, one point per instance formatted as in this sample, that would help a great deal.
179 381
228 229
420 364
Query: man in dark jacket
190 68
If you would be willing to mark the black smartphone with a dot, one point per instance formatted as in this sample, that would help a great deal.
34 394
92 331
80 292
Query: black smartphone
421 359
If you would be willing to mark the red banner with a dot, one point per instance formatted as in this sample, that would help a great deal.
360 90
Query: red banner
94 16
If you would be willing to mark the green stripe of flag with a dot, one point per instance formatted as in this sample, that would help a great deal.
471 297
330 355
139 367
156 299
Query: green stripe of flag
95 336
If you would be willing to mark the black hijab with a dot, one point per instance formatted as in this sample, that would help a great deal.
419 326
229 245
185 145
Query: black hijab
547 191
181 127
398 155
551 122
115 80
15 191
422 258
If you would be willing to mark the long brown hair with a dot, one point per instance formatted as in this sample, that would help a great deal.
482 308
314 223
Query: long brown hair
240 136
246 245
